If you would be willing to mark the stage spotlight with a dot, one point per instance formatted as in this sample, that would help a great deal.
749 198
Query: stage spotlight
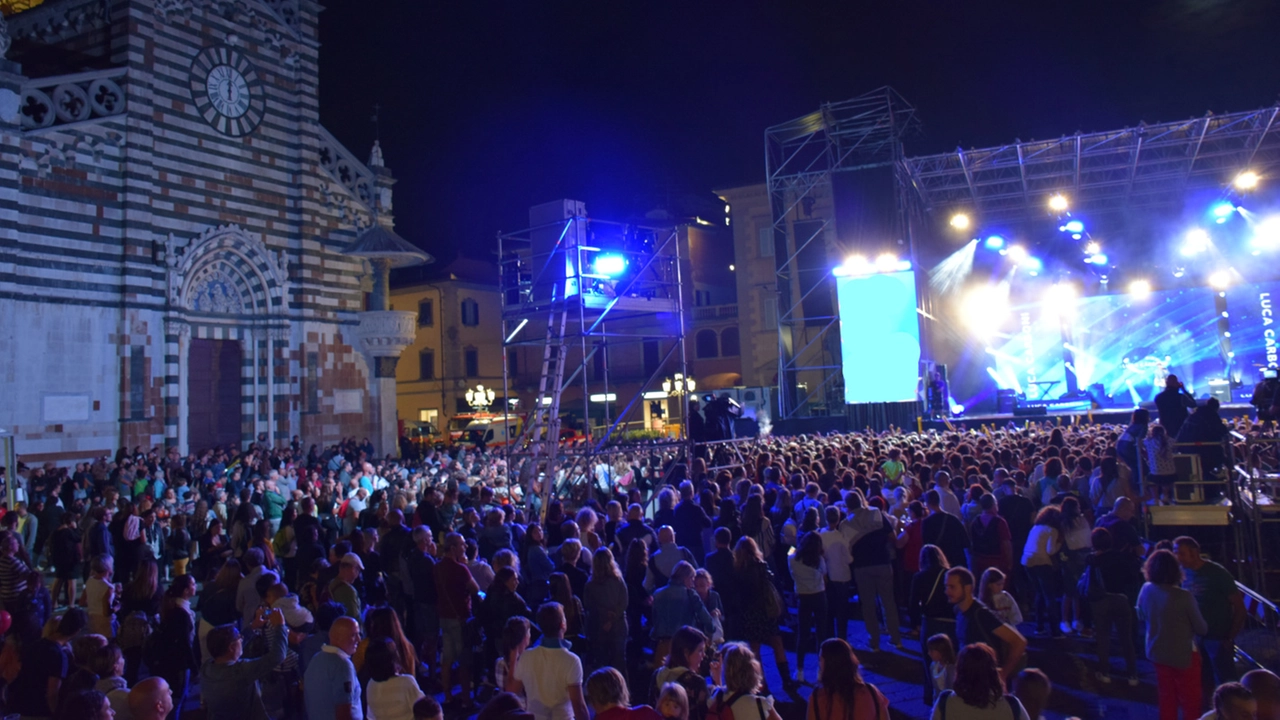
994 242
1140 288
1246 180
886 261
1059 300
1179 272
1075 226
1266 234
1017 253
1058 203
1092 248
960 221
609 265
1097 259
1196 242
1033 265
1222 210
984 308
1220 279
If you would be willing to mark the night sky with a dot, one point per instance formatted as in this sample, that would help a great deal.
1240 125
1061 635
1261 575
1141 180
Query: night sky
490 107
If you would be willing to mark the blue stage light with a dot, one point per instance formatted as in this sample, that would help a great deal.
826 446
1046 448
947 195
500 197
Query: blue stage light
994 242
1097 259
609 265
1222 211
1075 226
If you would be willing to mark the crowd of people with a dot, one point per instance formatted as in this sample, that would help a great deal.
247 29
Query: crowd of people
327 583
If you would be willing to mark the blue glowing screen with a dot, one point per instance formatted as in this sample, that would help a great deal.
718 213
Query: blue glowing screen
1128 344
879 337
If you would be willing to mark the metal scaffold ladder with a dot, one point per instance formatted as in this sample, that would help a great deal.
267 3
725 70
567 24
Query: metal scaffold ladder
544 426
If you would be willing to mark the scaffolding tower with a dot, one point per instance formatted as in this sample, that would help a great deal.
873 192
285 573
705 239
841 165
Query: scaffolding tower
801 158
585 295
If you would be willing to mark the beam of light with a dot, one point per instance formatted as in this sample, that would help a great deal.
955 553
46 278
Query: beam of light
1266 233
1220 279
1085 364
1059 301
516 332
1001 355
1133 393
996 376
1013 380
948 275
1195 242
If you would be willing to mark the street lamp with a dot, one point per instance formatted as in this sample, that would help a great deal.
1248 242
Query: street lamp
679 385
480 398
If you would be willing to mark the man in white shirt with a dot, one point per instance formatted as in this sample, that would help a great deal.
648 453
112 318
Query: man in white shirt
835 550
950 504
548 675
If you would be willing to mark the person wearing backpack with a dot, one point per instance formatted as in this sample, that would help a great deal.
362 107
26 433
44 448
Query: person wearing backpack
979 690
741 678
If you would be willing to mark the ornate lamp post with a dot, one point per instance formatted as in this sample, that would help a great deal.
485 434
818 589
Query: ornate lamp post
480 398
679 385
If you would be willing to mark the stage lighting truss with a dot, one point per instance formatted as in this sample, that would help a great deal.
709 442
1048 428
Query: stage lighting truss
1107 172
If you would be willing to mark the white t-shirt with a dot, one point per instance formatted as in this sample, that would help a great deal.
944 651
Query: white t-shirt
546 674
393 699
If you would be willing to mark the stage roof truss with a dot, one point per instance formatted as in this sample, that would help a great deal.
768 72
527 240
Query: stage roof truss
1148 165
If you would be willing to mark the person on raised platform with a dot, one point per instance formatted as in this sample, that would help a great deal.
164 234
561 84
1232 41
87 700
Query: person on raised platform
1172 405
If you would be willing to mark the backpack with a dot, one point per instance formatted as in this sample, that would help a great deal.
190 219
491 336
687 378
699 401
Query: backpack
1090 586
986 540
1015 706
721 707
134 631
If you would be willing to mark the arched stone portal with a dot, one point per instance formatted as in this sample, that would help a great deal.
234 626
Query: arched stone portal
224 286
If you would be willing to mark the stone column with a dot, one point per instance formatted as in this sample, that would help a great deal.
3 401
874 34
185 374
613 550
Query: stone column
381 336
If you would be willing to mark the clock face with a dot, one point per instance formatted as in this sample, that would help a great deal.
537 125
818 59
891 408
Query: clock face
227 91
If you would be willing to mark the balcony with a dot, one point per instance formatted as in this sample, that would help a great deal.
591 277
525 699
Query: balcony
715 313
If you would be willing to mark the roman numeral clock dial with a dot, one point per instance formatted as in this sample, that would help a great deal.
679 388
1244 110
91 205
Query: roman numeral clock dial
227 91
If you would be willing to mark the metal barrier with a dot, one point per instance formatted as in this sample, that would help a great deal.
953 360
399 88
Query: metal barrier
1256 481
1259 643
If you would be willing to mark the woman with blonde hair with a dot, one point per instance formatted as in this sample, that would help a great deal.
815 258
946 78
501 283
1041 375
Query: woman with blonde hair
741 679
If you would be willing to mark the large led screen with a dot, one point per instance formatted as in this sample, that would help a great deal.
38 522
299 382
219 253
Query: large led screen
879 337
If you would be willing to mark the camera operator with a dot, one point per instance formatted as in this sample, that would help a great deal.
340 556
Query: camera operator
1172 405
1266 396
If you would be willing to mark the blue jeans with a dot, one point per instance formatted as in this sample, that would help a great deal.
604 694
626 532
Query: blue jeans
1045 579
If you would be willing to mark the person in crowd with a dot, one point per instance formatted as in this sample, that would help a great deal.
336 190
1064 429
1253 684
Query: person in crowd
808 571
941 653
1032 688
990 541
174 651
841 690
1172 404
65 555
45 663
992 593
1265 686
150 699
979 689
945 531
758 613
108 665
1173 622
454 589
929 606
1112 606
605 603
86 705
331 686
975 623
739 681
870 532
392 692
1076 547
1040 558
673 702
1233 701
229 684
549 675
607 695
689 521
1221 604
1159 451
838 564
681 666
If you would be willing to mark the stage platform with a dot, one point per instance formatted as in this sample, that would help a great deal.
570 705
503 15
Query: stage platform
1104 416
